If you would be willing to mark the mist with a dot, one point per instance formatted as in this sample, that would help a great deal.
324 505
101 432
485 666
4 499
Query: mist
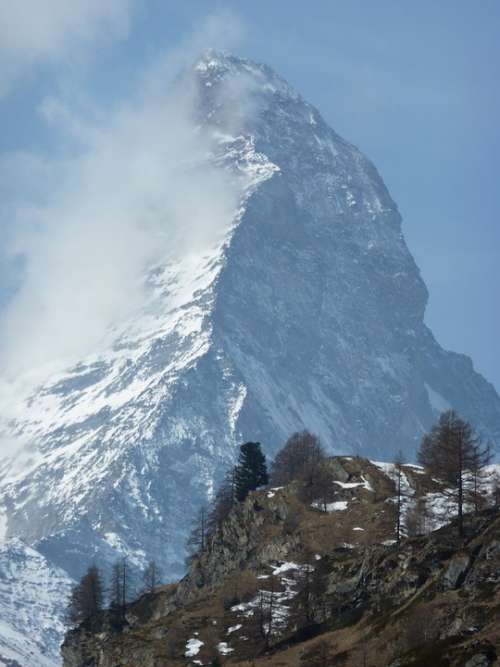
129 188
35 34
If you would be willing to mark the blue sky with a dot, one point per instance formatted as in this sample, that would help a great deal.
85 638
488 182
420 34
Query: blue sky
414 85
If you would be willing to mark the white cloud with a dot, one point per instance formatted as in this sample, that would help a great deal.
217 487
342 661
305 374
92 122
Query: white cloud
33 32
135 187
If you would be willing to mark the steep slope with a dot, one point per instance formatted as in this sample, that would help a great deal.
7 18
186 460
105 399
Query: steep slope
32 595
307 313
332 589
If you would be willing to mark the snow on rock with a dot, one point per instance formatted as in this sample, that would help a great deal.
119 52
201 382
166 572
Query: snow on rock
285 567
407 498
365 484
337 506
224 649
416 468
289 575
349 485
386 467
234 628
193 647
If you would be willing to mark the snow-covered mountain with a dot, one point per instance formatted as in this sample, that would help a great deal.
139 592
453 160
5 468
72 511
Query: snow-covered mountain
32 594
307 313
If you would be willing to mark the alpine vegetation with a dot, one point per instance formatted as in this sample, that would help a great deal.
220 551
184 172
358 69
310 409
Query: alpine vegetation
285 578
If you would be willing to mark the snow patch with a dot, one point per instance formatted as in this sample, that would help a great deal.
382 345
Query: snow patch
193 647
234 628
224 649
337 506
285 567
438 402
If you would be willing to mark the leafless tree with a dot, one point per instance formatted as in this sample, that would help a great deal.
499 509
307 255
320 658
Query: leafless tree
120 591
476 491
495 489
318 486
265 613
310 595
86 599
417 518
323 654
398 478
197 540
224 501
419 629
450 452
150 578
298 460
270 614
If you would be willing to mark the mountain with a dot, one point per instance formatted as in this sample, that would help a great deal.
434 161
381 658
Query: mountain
307 313
284 582
32 594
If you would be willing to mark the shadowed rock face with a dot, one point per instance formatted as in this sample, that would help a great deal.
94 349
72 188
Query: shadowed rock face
307 314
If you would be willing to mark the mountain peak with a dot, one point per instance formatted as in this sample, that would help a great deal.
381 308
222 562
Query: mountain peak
214 66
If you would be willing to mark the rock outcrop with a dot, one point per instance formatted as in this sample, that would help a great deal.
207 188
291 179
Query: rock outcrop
279 584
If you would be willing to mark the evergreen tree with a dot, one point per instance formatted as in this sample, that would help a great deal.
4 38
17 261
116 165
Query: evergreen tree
251 471
86 599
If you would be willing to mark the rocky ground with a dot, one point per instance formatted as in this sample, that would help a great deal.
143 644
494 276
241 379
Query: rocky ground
288 582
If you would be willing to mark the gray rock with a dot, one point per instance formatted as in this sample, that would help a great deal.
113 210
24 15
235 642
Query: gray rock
479 660
456 570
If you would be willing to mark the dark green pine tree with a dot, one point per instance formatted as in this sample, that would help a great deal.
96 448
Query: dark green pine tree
251 471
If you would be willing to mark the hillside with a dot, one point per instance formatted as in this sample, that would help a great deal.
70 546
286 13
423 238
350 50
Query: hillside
288 582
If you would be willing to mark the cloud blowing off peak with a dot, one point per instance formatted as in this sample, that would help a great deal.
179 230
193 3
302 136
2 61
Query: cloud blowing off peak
137 188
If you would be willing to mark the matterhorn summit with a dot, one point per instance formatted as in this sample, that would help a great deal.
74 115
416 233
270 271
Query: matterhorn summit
307 312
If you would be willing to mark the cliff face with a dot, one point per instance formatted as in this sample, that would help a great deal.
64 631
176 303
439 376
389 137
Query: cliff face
285 582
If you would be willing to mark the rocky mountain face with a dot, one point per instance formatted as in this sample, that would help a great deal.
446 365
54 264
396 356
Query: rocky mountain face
307 313
32 592
288 582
